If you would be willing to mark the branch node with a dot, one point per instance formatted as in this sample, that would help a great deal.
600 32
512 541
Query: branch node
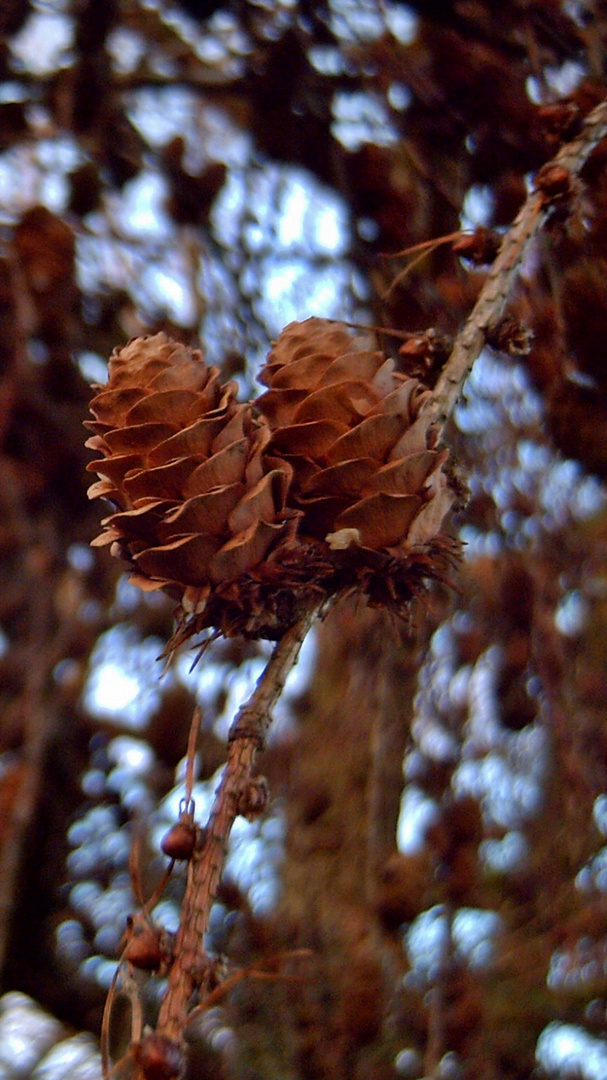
159 1058
252 797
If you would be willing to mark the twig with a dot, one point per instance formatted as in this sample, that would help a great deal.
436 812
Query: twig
230 981
426 247
247 739
491 303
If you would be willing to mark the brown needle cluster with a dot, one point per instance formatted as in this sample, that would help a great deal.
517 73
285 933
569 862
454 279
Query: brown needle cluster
249 513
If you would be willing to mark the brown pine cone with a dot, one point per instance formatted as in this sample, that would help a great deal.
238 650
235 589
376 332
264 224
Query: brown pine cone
199 502
250 514
366 473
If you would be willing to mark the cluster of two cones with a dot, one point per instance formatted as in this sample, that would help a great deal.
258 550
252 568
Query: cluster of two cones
248 513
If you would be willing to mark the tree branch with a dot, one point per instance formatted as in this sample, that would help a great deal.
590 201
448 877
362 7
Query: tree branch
237 792
494 296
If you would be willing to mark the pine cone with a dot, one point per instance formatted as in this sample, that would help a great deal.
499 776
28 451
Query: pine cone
249 514
366 472
199 502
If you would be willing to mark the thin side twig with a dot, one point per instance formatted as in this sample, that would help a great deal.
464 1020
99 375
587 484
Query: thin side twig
490 306
247 739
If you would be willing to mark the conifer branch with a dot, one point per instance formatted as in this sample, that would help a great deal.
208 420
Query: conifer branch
491 304
237 793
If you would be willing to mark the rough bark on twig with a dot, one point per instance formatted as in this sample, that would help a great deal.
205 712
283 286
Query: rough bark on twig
490 306
247 739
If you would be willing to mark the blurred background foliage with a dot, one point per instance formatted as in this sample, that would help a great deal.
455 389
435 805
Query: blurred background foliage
437 831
